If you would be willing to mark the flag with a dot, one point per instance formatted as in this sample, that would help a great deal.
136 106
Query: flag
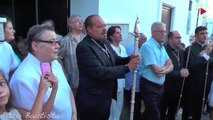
188 26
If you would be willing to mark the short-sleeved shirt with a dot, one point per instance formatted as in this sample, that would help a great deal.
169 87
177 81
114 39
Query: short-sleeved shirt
153 53
24 87
8 61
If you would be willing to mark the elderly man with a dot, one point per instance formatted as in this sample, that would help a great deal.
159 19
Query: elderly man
43 47
99 69
153 68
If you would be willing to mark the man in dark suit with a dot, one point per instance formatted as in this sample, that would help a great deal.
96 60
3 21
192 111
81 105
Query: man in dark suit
99 69
200 53
173 82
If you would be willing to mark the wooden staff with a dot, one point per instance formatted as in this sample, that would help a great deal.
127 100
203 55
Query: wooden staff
191 40
205 84
137 34
208 42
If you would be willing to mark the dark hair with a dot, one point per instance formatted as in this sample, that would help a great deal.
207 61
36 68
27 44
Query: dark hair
88 22
34 34
8 19
111 31
200 28
170 35
9 103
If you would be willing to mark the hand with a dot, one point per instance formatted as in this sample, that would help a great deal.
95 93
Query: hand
161 71
137 55
184 72
134 61
208 49
44 83
52 79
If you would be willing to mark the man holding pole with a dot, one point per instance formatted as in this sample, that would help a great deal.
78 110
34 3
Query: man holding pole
199 81
173 82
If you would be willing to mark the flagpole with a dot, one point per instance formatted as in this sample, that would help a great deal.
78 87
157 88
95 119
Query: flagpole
198 11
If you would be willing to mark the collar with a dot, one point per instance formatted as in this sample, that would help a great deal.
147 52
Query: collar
159 45
202 45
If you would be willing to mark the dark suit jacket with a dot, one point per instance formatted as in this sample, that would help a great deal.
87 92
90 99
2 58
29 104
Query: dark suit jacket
98 76
197 68
173 80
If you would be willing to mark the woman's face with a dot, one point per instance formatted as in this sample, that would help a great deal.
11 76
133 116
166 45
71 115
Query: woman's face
9 32
4 93
117 36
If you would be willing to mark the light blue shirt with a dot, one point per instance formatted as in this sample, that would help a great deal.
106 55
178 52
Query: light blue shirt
129 75
152 53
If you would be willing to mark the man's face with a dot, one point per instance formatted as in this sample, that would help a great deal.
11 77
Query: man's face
47 51
201 36
98 30
159 33
77 23
176 39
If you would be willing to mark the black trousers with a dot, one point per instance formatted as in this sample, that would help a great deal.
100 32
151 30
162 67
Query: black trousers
168 107
151 94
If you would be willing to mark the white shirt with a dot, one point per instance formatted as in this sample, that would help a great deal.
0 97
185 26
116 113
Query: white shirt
8 61
122 53
24 86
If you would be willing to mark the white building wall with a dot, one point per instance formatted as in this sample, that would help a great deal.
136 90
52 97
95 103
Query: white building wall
84 7
125 12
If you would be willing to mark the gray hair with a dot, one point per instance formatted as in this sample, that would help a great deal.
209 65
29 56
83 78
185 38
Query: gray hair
155 25
35 32
71 18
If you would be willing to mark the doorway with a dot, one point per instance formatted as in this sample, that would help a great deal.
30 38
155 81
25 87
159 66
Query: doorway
26 13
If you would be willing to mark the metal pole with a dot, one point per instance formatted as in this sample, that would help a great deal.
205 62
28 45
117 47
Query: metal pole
198 11
137 33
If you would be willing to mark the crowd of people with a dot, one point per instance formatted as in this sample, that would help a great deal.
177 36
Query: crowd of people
89 73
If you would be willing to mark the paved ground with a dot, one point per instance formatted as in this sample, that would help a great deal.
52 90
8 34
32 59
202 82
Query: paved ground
204 117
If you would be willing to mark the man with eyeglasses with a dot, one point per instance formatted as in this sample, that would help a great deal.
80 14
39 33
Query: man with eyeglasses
43 48
200 54
153 68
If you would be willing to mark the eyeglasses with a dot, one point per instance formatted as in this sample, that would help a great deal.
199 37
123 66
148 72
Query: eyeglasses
53 42
161 31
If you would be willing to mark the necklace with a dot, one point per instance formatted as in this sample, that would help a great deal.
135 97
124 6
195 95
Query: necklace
177 56
106 51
